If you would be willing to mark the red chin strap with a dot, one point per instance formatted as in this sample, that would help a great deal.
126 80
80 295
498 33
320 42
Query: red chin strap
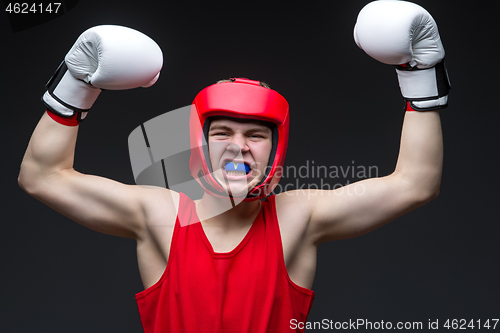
244 99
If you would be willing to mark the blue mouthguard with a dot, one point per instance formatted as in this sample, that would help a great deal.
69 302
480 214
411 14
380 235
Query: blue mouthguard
237 167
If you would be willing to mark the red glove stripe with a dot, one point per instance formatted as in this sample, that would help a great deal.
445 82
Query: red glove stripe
408 107
72 121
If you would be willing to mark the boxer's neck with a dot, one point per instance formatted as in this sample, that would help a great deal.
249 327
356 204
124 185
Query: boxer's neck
220 212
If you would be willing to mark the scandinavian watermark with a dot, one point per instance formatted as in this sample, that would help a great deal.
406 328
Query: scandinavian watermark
316 177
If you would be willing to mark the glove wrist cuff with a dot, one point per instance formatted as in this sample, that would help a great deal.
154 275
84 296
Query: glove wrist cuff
67 121
425 89
66 95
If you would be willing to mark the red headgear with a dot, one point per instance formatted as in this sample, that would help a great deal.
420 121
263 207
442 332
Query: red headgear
244 99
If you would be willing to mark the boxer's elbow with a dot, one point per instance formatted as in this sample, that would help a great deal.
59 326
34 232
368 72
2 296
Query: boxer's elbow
432 184
29 179
421 189
425 194
25 182
430 195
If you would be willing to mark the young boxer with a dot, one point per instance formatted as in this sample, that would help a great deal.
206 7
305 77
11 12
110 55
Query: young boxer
248 268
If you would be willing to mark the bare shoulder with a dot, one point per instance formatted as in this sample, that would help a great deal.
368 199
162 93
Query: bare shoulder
299 244
294 214
297 212
294 205
160 207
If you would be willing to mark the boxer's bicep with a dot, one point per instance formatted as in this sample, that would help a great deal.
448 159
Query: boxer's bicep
361 207
95 202
47 174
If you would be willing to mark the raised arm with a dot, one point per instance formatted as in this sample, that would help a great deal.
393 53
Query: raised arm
95 61
98 203
364 206
403 34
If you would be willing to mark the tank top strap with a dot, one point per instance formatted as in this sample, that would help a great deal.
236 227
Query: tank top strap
186 217
186 214
271 221
271 218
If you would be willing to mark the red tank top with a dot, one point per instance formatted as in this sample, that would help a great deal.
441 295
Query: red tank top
247 290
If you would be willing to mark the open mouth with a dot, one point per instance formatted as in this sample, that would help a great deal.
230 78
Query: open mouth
233 168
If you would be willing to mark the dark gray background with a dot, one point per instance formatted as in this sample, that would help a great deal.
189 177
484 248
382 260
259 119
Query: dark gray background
438 262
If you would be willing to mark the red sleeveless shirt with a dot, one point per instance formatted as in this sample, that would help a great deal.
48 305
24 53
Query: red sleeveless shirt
247 290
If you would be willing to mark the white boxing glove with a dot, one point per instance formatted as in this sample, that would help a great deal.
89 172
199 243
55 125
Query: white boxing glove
103 57
404 34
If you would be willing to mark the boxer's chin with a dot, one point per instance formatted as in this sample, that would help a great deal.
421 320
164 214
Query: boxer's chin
252 184
236 187
240 189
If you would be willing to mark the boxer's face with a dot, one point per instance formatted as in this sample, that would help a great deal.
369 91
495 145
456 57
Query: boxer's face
239 153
